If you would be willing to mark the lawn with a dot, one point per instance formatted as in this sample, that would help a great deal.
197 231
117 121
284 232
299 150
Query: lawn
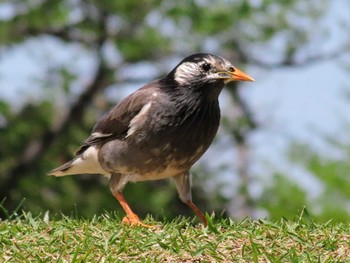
103 239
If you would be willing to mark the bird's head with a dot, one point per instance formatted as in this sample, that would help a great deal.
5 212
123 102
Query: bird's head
206 69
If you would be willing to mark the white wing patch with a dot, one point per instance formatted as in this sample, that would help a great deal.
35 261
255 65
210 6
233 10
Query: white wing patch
135 122
100 135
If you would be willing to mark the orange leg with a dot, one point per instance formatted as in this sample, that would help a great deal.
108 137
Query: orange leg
198 212
131 218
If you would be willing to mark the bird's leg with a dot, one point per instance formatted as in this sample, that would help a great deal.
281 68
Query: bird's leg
183 185
197 212
131 218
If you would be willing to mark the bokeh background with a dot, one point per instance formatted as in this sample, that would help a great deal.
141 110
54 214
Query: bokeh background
284 141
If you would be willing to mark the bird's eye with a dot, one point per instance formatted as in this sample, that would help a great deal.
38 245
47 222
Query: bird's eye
231 69
206 66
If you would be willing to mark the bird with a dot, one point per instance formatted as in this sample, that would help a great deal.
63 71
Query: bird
159 131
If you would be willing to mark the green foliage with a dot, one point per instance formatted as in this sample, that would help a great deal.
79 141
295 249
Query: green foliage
153 44
331 172
21 127
283 198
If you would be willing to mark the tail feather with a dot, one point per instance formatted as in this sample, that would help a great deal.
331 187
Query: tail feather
63 169
85 163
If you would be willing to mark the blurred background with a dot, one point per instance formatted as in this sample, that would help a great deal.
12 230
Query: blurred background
284 140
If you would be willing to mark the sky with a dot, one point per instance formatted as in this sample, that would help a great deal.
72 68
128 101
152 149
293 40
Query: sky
301 103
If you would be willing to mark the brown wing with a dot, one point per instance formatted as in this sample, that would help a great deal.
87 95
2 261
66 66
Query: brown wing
115 124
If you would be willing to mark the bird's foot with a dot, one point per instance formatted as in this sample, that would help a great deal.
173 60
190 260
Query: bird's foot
134 221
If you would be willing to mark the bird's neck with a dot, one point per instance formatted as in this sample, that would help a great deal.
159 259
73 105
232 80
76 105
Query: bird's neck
195 94
192 103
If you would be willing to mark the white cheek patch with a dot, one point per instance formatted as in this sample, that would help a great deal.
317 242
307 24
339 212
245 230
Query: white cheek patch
135 122
186 72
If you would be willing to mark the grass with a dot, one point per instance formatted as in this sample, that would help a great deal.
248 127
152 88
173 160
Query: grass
103 239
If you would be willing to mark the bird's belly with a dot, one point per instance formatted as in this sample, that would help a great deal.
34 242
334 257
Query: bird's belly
159 163
148 162
135 176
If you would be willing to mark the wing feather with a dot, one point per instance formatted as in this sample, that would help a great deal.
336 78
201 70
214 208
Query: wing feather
116 123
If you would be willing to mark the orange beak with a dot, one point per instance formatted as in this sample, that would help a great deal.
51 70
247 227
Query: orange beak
240 75
235 75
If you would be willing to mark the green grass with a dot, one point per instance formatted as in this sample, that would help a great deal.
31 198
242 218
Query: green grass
103 239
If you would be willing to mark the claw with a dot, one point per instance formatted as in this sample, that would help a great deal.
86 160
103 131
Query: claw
134 221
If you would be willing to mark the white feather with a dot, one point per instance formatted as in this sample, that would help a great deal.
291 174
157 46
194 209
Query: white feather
100 135
135 122
87 163
185 72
